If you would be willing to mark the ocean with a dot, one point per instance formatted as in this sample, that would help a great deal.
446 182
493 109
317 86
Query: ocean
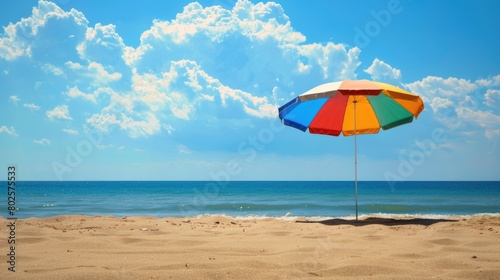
251 198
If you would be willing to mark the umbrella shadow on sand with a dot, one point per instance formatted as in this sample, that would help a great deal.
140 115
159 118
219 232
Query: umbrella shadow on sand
380 221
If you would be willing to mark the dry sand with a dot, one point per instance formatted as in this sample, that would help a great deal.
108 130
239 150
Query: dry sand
85 247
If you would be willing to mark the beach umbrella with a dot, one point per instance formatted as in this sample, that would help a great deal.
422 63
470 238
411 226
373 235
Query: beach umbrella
351 107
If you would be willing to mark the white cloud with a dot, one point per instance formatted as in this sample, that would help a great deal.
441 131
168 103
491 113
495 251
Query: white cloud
258 22
168 128
383 72
10 46
71 131
31 106
94 75
104 147
152 90
492 98
59 112
432 86
74 92
264 110
492 133
182 149
266 20
132 55
186 88
494 81
487 120
43 141
22 38
460 105
102 43
14 99
100 76
483 118
147 126
440 103
440 93
206 65
253 105
334 61
8 130
255 42
119 101
73 65
49 68
253 48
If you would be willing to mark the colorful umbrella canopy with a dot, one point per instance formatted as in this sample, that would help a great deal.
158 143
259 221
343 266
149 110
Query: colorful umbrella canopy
351 107
329 108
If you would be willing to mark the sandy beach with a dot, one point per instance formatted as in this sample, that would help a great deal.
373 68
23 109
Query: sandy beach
218 247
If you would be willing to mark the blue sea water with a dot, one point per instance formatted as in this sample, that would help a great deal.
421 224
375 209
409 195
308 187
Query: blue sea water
249 198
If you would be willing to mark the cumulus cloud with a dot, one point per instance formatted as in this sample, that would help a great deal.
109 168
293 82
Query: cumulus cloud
383 72
253 44
8 130
93 74
438 92
186 88
73 65
437 86
75 92
146 126
49 68
206 64
35 35
100 75
14 99
494 81
462 104
440 103
31 106
102 43
43 141
59 112
492 98
253 49
332 61
258 22
185 92
487 120
70 131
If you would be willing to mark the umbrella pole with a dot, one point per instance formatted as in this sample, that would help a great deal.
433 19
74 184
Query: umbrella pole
355 161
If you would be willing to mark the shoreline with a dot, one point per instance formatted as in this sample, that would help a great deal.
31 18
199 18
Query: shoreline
286 217
221 247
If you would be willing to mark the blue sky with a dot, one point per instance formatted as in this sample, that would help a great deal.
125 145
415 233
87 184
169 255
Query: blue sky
181 90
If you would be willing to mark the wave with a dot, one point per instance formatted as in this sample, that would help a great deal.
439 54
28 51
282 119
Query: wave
289 217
